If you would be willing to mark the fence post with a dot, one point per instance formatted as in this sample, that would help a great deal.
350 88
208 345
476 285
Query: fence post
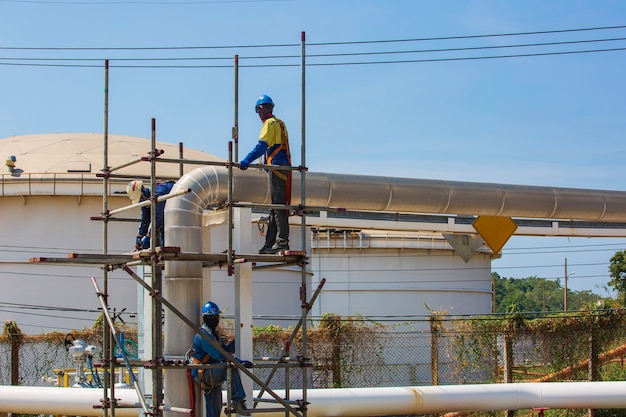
508 363
593 355
336 357
593 360
15 337
333 325
508 358
435 325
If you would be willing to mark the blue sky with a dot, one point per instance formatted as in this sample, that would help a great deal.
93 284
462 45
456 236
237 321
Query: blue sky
554 120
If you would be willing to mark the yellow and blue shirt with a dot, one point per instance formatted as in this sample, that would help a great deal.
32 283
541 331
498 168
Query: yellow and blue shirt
273 143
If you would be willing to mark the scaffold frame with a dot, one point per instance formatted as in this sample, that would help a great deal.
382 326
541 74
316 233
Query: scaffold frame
156 255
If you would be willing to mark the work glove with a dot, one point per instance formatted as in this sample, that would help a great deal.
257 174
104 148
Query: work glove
138 244
244 164
245 363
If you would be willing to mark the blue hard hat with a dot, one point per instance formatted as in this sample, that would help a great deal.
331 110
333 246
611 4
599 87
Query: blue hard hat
210 308
264 99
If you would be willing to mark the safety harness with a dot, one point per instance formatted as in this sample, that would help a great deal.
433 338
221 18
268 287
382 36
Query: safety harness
205 360
279 172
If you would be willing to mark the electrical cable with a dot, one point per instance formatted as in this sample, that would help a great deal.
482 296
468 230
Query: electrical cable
327 64
44 307
310 44
149 2
542 32
343 54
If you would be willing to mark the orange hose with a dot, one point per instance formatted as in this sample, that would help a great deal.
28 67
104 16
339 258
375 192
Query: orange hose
192 393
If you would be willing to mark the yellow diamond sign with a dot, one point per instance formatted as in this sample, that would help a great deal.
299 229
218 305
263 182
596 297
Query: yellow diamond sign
495 230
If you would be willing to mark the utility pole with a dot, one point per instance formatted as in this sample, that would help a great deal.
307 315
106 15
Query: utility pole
566 274
565 286
494 294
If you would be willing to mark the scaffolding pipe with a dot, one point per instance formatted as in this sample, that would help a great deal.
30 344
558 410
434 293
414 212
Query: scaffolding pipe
343 402
235 131
303 284
144 203
107 350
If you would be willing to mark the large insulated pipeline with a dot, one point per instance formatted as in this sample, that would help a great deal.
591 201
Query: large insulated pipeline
410 195
209 186
343 402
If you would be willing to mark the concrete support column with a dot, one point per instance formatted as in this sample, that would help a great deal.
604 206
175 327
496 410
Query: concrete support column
242 237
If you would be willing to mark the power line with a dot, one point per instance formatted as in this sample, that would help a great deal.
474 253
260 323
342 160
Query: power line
45 315
469 48
411 61
143 48
414 61
473 36
44 307
569 246
148 2
45 61
309 44
30 274
343 54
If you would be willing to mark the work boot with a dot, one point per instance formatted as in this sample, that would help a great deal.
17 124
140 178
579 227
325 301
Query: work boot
240 408
279 247
267 248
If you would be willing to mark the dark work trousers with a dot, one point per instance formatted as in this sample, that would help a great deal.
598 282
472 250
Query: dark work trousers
278 227
213 397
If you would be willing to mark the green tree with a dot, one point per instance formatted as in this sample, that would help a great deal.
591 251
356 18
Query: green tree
617 271
538 295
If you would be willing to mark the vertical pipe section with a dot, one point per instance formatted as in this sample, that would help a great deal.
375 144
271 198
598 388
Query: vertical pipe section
182 284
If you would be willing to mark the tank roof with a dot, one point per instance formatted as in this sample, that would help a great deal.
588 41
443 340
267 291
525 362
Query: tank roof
84 153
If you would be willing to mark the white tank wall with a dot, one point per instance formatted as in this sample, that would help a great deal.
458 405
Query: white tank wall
53 226
382 283
395 280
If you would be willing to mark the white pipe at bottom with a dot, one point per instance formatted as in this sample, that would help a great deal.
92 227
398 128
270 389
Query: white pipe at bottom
63 401
354 401
447 398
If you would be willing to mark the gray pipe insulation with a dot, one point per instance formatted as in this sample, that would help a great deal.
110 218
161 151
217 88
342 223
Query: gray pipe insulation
209 186
377 193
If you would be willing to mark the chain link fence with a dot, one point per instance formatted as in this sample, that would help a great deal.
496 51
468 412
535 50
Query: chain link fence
354 352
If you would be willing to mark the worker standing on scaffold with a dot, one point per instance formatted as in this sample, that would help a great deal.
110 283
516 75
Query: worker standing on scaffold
137 192
274 145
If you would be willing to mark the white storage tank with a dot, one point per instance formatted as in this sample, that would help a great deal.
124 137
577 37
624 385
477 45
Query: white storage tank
392 276
48 194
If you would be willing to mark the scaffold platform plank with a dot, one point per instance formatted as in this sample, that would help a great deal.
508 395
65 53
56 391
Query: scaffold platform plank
84 258
173 253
